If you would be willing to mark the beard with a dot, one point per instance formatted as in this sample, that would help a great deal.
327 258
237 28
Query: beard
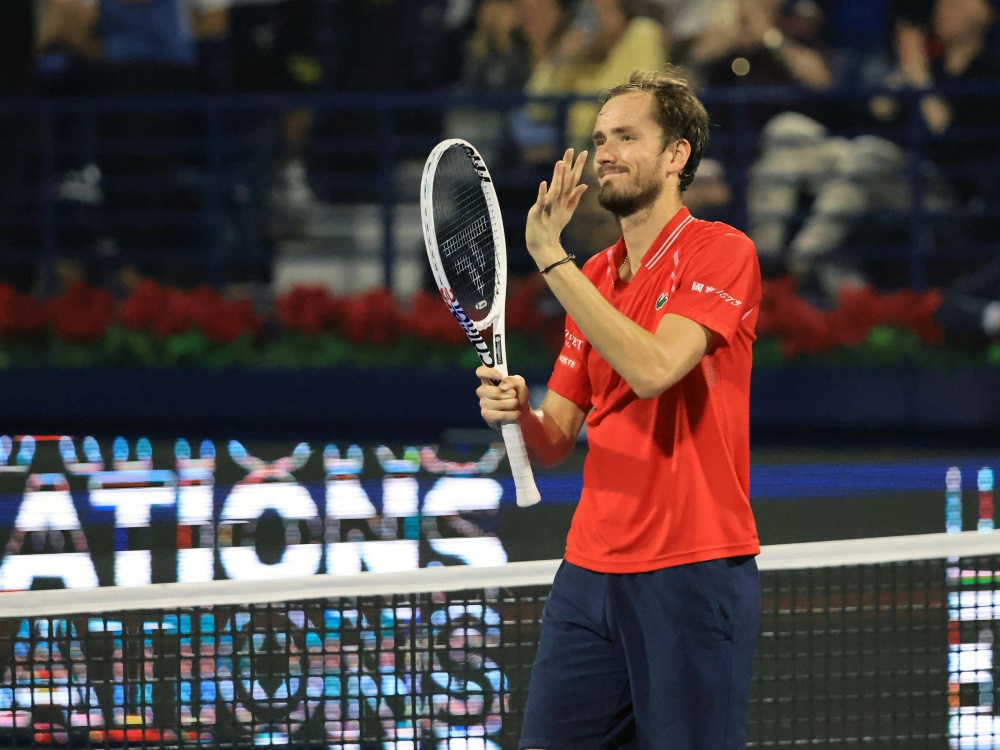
626 200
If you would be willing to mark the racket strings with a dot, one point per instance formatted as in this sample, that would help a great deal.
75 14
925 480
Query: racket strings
465 236
468 264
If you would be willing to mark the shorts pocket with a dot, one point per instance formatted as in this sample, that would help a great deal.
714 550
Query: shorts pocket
715 577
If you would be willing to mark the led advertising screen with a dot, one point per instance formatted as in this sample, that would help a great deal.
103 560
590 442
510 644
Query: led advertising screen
366 672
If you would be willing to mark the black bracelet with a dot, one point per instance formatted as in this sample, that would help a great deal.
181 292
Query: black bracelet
567 259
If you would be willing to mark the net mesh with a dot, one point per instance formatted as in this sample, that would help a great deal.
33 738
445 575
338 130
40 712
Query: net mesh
464 231
881 643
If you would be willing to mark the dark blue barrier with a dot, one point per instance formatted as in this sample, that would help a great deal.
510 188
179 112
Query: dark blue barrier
787 404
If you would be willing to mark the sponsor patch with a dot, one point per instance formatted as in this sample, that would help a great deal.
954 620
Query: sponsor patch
567 361
572 341
698 287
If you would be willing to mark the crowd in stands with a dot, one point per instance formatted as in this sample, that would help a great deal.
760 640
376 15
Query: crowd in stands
823 175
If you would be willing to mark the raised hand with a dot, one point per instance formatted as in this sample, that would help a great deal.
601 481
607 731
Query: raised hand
554 208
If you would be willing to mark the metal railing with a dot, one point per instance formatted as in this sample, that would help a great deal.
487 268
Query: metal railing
184 180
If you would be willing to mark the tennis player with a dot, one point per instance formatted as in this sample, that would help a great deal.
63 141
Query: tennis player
649 633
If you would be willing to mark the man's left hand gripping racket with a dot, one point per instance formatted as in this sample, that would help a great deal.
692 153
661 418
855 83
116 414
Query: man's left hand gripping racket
463 232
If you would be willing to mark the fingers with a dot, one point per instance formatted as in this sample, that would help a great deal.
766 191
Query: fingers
565 185
541 202
579 166
560 173
494 384
500 404
574 198
488 375
497 419
570 171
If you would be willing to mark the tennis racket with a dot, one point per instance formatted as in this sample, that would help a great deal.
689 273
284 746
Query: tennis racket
463 233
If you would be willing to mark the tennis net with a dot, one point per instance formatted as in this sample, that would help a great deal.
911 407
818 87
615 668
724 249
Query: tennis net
884 643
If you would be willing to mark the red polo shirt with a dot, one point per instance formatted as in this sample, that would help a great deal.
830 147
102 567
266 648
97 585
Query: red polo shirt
667 479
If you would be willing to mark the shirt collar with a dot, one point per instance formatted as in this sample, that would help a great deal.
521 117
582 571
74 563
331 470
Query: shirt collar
663 242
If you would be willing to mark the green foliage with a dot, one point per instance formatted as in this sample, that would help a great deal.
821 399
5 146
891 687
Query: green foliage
122 347
308 327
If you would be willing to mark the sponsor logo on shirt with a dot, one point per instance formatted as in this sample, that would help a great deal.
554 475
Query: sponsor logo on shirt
708 289
574 342
567 361
661 301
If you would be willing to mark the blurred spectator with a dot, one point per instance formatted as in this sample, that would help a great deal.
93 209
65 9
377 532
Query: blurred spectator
65 44
764 43
606 41
964 34
114 47
858 31
275 49
847 179
389 45
110 48
66 29
617 41
495 55
154 41
544 25
495 60
605 50
910 22
970 308
687 21
150 47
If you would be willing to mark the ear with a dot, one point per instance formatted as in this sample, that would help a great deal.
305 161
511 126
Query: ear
680 152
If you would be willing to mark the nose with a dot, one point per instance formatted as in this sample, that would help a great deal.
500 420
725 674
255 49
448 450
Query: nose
603 154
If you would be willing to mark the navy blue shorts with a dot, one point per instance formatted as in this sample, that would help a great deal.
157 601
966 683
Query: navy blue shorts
659 661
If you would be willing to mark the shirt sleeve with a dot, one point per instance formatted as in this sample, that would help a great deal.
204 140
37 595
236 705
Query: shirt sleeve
570 378
718 286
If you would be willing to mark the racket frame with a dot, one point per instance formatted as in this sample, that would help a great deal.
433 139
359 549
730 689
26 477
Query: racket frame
496 357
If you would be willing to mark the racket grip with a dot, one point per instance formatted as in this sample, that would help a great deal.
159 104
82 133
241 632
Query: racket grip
524 480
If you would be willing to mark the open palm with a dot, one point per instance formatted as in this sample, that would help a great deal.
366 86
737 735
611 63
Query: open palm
554 208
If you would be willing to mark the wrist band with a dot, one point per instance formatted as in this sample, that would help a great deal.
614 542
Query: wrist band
567 259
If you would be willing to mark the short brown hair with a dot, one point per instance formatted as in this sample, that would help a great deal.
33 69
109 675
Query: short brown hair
678 111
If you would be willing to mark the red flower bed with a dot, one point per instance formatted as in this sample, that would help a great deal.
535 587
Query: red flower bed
429 320
803 328
165 311
308 309
84 314
20 314
374 317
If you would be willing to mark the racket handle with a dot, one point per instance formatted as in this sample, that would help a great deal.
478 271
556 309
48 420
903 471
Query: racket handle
520 466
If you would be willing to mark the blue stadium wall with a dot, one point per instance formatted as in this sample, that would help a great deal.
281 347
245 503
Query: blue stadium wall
788 403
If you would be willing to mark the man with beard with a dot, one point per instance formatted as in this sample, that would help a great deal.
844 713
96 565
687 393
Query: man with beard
649 632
